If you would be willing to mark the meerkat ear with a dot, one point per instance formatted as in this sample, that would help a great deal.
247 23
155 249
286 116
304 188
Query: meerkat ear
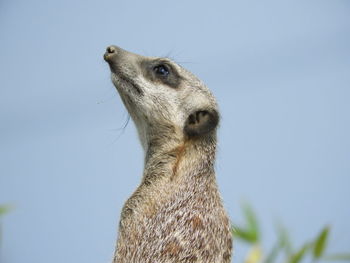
201 122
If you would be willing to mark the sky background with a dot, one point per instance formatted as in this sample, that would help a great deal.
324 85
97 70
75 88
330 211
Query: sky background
280 71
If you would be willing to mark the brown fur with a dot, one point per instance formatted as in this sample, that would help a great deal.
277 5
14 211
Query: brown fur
179 152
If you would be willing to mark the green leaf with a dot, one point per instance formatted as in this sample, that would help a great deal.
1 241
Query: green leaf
4 209
271 257
250 233
252 223
243 234
338 257
320 243
298 256
284 239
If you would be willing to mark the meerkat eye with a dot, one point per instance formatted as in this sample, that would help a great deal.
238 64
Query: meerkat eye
161 70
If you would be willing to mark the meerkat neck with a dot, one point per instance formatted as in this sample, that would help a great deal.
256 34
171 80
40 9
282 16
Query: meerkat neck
175 158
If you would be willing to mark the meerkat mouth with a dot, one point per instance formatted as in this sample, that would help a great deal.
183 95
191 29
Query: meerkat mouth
122 81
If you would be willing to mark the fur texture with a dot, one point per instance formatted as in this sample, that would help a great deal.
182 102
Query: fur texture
176 213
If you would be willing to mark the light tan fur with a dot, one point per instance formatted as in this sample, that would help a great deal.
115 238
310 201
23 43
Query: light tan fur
176 213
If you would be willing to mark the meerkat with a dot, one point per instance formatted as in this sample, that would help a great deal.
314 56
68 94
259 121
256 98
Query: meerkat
176 213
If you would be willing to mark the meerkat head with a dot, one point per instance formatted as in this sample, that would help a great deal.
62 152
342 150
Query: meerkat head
162 98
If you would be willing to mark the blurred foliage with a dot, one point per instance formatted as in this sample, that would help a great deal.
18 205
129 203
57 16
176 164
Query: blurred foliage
4 209
282 250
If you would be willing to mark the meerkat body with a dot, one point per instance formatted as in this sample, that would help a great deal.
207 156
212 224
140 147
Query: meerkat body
176 214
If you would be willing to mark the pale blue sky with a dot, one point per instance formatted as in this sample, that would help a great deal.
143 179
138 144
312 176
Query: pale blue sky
279 69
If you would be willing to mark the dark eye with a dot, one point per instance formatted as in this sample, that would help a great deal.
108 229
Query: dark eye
161 70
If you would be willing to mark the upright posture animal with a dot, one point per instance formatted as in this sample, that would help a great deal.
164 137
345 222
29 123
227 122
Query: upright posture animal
176 213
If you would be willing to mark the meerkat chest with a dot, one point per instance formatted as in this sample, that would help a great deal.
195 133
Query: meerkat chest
173 225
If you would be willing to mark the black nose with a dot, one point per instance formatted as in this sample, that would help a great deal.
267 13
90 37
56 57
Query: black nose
111 51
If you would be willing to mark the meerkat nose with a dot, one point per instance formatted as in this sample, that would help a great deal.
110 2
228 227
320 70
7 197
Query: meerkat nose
111 50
